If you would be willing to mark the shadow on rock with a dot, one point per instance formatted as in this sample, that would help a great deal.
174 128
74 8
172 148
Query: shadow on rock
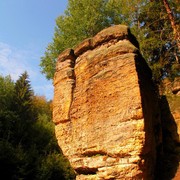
160 151
170 139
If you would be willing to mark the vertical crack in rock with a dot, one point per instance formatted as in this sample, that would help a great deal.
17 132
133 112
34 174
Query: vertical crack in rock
66 78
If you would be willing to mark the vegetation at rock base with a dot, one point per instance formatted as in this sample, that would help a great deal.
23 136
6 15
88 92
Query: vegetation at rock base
28 147
155 27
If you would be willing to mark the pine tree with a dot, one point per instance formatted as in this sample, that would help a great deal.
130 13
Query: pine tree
23 98
23 107
158 44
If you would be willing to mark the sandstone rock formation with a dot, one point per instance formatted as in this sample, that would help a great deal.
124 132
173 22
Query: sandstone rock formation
106 111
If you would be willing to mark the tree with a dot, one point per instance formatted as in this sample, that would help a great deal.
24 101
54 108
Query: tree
85 18
82 19
23 108
23 95
157 43
41 105
28 147
6 92
149 21
7 116
173 24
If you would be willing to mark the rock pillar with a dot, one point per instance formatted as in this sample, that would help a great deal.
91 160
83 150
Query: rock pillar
106 109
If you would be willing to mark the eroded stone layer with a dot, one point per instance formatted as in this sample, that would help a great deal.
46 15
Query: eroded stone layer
99 108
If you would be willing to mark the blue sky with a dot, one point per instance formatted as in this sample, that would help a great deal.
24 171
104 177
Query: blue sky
26 28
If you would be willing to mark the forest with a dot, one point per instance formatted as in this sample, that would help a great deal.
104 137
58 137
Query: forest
29 149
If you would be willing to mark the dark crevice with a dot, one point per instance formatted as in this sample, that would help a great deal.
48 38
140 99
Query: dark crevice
73 83
94 153
159 151
133 39
152 123
61 121
169 161
86 170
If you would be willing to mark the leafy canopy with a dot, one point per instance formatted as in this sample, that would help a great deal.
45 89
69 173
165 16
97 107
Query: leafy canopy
147 19
82 19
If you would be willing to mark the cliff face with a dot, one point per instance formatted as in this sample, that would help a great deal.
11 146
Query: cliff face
106 111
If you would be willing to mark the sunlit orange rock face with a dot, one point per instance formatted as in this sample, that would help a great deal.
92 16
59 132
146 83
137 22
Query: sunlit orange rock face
105 108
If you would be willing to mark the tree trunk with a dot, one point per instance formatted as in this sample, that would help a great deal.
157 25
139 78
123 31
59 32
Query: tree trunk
173 24
171 17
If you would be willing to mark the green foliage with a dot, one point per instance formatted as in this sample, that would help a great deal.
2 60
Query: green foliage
148 21
23 97
7 116
28 147
158 45
8 160
55 166
82 19
41 105
6 92
8 120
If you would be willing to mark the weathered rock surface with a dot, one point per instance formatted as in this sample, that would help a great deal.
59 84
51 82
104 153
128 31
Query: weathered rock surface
168 87
176 86
106 110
